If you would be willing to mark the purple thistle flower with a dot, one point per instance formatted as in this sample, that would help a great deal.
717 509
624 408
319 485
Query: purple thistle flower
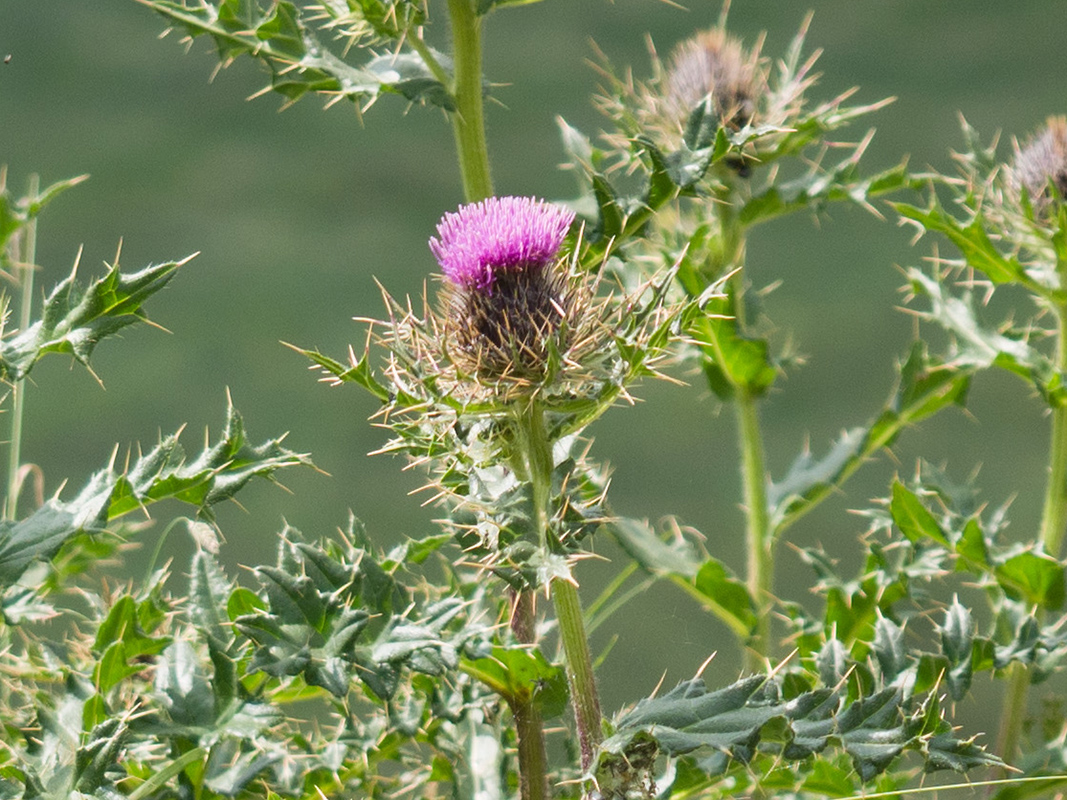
498 235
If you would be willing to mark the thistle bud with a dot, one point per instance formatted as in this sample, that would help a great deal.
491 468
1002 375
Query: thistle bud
506 299
1040 167
713 65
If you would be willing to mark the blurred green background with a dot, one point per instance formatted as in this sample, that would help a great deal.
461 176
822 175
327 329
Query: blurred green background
296 214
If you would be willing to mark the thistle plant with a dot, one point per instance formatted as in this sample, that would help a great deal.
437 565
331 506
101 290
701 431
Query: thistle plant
1008 222
493 392
730 144
439 667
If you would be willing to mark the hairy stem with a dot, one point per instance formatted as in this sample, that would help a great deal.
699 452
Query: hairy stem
537 457
759 537
584 697
1053 523
468 120
26 260
759 542
468 130
529 727
1054 515
1013 713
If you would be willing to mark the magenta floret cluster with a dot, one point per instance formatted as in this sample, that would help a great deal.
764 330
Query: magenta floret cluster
480 240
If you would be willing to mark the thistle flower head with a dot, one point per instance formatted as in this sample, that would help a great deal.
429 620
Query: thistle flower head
482 241
507 302
1043 161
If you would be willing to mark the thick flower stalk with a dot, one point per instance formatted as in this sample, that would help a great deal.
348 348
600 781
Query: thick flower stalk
507 309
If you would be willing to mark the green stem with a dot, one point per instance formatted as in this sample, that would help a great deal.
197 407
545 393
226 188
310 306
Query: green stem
1054 516
758 535
468 120
1013 712
529 727
584 697
419 45
468 130
533 767
27 260
537 459
1053 524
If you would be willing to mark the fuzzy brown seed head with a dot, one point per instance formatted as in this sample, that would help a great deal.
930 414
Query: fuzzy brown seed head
1041 162
716 65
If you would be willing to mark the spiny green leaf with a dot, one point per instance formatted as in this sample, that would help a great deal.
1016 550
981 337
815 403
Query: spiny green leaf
120 640
521 674
319 622
977 347
358 371
387 19
751 716
912 517
971 238
215 474
818 188
874 731
1034 577
733 362
925 386
957 641
17 212
209 592
485 6
653 554
98 756
281 38
75 319
184 687
725 594
889 649
809 478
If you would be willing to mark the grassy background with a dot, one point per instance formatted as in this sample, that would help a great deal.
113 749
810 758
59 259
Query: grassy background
296 213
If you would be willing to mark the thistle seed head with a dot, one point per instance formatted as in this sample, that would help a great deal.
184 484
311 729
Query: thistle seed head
713 64
1040 167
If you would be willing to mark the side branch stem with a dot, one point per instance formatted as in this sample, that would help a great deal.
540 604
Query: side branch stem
27 259
468 120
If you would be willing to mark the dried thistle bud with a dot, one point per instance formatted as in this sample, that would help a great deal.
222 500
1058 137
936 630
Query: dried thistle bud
506 299
713 64
1041 165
